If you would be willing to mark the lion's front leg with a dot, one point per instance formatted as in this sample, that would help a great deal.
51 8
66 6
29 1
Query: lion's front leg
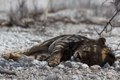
54 59
57 53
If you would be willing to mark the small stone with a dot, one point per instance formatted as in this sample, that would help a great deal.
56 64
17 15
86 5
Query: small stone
79 63
95 67
106 65
39 64
116 63
110 75
15 64
68 64
25 61
94 77
3 63
43 64
84 66
74 65
75 77
19 68
72 58
35 62
53 77
71 64
111 67
60 66
118 55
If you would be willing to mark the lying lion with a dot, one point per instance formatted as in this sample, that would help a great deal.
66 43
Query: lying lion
62 48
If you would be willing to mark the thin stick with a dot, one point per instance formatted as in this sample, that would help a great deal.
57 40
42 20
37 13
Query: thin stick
109 22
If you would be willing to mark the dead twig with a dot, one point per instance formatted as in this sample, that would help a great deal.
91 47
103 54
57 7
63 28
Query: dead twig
109 23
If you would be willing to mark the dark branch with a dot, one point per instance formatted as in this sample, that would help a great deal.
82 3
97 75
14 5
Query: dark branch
109 22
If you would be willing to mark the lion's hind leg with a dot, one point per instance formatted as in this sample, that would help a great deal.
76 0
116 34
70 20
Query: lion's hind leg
57 54
11 55
31 52
19 55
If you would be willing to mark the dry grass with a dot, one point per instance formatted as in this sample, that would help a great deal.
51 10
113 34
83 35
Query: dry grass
21 16
116 4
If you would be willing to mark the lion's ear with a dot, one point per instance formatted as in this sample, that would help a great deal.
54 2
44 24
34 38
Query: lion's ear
101 41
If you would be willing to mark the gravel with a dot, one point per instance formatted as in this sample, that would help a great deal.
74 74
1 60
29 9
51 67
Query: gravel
16 38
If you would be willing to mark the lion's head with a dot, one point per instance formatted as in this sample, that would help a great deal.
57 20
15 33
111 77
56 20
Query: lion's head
95 52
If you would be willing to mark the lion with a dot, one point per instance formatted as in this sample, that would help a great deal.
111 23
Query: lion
63 47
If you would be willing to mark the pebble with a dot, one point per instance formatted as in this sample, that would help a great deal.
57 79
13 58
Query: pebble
75 77
94 77
35 62
43 65
106 65
19 68
116 64
84 66
71 64
68 64
110 75
60 66
53 77
15 64
95 67
3 63
74 65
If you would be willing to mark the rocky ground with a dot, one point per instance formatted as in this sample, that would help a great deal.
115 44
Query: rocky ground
17 38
